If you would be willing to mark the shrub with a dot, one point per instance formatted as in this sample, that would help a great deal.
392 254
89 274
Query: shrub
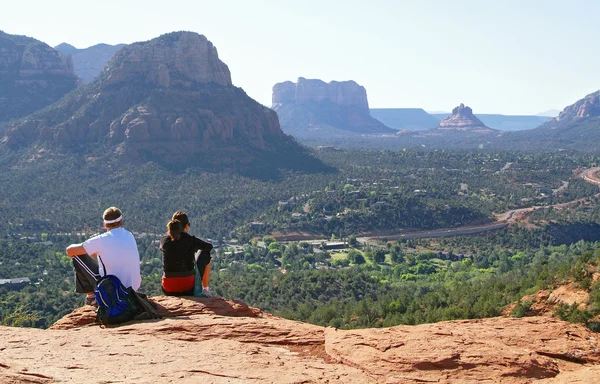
521 309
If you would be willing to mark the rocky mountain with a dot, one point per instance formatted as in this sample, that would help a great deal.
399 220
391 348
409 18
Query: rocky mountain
224 341
32 76
89 62
169 99
507 123
315 108
586 108
416 119
577 127
463 119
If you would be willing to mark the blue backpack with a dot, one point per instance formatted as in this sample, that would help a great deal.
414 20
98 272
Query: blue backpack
116 303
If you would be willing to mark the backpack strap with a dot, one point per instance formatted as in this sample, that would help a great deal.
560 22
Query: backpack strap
103 266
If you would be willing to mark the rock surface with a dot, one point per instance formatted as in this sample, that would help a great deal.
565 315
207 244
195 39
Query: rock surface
463 119
32 75
312 107
168 99
224 341
89 62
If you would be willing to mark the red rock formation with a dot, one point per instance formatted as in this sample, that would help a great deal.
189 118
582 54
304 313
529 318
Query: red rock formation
32 75
170 99
216 340
344 93
315 108
463 119
589 106
181 57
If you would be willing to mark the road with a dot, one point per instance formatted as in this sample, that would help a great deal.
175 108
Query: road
504 219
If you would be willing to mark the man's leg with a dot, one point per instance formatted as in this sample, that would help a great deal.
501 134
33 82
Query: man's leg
86 273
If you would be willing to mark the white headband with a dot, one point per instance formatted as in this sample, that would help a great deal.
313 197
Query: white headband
113 221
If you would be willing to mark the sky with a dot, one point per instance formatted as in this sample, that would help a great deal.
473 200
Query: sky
509 56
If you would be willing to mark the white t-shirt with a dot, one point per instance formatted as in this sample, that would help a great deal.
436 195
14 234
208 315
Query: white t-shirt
119 253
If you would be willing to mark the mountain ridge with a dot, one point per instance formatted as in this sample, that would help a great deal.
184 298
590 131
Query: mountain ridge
169 100
32 76
89 62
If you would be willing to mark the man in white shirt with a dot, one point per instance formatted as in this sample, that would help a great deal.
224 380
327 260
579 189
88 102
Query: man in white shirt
118 254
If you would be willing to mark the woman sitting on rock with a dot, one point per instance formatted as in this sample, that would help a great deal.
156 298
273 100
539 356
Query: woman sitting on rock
178 250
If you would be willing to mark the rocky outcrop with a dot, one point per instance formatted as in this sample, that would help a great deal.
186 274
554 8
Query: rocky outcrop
589 106
218 340
32 76
315 108
168 99
182 57
463 119
89 62
577 128
304 91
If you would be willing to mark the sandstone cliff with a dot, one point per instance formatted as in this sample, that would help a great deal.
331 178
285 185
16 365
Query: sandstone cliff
315 108
168 99
89 62
346 93
223 341
577 127
587 107
463 119
32 76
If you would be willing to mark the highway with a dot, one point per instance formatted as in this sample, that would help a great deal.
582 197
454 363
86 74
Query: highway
590 175
504 220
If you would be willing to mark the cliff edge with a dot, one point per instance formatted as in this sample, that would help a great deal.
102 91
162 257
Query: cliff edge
224 341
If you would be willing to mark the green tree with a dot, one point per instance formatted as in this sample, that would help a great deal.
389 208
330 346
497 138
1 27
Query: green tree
379 256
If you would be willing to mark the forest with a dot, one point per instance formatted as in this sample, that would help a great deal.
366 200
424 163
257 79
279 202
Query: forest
48 205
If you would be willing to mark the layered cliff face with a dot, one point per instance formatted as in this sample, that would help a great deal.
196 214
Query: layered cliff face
315 108
183 58
32 76
463 119
246 345
305 91
89 62
168 99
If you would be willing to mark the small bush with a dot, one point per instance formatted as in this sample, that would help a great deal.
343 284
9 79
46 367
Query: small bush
521 309
571 314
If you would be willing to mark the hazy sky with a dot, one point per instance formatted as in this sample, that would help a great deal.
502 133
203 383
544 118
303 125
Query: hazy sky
509 56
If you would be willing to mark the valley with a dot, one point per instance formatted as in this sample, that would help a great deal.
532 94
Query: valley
383 198
446 199
336 225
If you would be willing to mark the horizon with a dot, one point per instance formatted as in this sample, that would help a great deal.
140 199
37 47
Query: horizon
511 59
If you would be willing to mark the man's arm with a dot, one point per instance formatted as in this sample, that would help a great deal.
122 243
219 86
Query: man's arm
76 250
